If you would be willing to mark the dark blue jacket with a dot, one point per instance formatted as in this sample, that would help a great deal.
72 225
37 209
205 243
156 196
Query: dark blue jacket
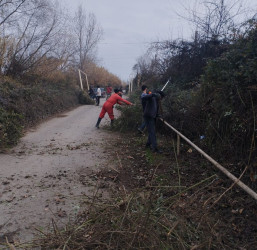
143 101
151 105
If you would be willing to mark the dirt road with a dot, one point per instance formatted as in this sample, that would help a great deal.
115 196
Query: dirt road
46 174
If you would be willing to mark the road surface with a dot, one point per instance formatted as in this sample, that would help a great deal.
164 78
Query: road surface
45 175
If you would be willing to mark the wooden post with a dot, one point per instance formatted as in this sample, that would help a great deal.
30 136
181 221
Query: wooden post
80 71
87 82
81 85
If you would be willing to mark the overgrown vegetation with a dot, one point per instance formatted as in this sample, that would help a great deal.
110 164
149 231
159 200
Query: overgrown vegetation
41 49
10 127
213 85
158 202
24 105
166 202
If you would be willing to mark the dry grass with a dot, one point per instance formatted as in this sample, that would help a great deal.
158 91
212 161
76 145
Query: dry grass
159 202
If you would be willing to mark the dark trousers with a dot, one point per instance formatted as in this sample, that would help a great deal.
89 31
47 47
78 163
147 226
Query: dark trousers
97 100
142 126
150 124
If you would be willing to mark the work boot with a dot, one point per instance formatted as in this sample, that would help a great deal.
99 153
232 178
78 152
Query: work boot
98 122
112 121
147 145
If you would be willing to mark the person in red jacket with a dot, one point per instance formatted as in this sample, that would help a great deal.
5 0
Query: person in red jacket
108 106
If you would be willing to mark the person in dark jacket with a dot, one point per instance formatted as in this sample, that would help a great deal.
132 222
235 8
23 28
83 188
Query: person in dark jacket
143 102
91 93
151 111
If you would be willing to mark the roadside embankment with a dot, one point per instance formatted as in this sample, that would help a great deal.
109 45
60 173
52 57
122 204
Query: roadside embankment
24 105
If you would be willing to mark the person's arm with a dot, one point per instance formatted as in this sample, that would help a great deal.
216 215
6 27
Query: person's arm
147 96
120 99
120 102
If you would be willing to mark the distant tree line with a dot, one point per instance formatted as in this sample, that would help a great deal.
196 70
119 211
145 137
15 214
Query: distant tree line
40 39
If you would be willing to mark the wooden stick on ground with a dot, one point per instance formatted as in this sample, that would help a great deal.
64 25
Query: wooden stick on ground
216 164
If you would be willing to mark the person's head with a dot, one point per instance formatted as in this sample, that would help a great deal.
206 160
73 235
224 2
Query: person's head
116 91
144 88
98 86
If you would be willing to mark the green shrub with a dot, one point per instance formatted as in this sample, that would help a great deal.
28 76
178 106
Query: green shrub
130 116
10 128
84 98
229 96
129 119
25 104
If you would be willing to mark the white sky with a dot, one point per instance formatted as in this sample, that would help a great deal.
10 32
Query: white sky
130 25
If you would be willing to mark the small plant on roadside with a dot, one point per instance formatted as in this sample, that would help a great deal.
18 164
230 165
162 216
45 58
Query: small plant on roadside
10 128
149 157
129 119
84 98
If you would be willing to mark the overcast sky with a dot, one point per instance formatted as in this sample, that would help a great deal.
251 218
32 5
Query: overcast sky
130 25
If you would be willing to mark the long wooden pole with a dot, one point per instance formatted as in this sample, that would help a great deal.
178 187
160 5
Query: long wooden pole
81 85
86 78
216 164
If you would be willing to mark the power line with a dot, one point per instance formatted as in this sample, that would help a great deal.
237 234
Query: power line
132 43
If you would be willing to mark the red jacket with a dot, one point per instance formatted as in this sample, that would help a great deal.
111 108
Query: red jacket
109 90
115 98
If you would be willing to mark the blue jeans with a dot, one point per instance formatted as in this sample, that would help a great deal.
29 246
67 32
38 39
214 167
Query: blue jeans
150 124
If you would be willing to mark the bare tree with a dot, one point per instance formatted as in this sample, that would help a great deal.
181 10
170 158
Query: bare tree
37 34
88 33
216 18
9 8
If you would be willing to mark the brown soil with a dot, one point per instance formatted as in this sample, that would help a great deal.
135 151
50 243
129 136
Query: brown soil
191 188
196 199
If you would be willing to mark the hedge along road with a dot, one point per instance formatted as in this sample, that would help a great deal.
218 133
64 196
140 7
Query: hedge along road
45 175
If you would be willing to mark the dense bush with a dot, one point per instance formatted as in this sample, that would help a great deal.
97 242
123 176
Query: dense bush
229 98
84 98
25 104
10 128
131 116
219 103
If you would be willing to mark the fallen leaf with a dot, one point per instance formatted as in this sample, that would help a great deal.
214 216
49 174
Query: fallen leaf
241 210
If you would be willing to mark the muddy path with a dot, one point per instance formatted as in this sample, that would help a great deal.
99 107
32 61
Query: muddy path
45 175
